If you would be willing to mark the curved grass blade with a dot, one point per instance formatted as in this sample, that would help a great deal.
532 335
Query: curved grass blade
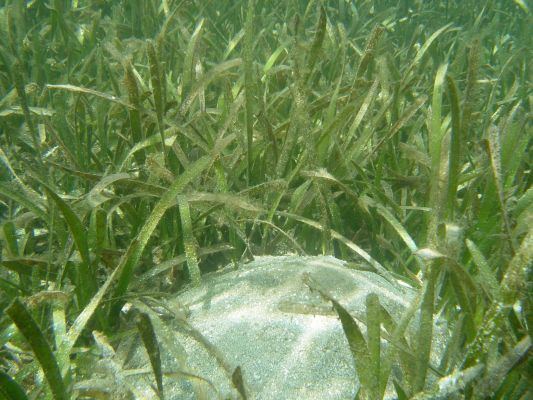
169 340
11 191
398 345
59 326
398 227
465 291
35 337
170 138
356 340
272 60
165 336
10 236
515 281
226 199
233 43
86 282
132 256
359 147
205 80
189 59
331 114
318 189
176 261
424 48
83 318
348 243
436 133
25 265
299 127
296 245
487 279
326 176
95 198
32 194
102 95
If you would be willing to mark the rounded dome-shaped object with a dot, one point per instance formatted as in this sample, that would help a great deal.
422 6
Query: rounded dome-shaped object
285 338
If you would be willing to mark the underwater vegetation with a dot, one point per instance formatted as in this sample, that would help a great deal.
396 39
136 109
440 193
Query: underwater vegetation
146 144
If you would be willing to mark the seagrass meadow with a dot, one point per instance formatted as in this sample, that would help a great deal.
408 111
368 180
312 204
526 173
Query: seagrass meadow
144 144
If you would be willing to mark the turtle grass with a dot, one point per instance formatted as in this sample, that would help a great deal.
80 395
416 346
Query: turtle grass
146 143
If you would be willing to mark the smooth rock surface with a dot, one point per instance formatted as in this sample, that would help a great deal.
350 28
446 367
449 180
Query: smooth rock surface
263 318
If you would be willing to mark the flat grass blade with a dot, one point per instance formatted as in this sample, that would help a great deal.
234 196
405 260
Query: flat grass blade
249 83
356 341
233 43
494 146
320 32
10 389
19 85
373 334
370 48
35 337
188 240
148 336
436 193
456 146
137 133
425 328
367 102
487 278
157 79
190 56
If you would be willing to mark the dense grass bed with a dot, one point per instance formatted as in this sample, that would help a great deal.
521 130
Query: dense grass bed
146 143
